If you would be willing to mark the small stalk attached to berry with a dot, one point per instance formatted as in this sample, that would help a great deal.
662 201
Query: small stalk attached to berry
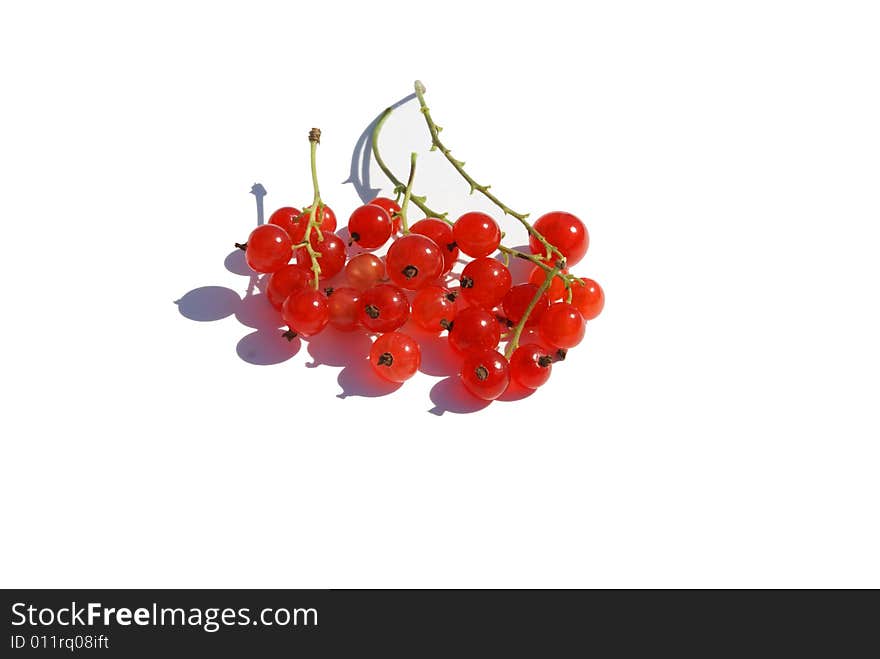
313 211
513 344
407 194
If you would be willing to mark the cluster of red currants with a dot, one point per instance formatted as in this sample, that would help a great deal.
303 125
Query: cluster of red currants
414 280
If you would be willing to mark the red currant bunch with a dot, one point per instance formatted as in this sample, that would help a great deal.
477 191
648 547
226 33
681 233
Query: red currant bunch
505 329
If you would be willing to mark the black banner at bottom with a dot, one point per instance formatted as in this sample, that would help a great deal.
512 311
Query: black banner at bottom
255 623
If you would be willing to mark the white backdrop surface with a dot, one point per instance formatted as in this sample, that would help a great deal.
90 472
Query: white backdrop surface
717 427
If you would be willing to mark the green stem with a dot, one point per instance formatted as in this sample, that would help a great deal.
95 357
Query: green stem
434 129
407 195
316 207
420 201
513 344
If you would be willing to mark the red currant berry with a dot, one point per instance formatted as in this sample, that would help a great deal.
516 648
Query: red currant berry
434 308
392 207
485 282
485 374
383 308
342 303
517 301
332 250
306 311
530 366
285 281
269 248
370 226
295 222
286 218
365 271
395 356
413 261
476 234
474 329
557 286
440 233
589 298
562 325
565 232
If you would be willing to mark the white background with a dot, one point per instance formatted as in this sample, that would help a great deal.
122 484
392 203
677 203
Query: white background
717 427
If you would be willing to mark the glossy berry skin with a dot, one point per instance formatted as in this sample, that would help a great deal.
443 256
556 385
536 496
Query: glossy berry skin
530 366
369 226
485 282
269 248
383 308
434 308
517 301
565 231
485 374
364 271
440 233
395 356
557 287
562 325
392 208
285 281
588 298
413 261
342 304
474 329
333 254
476 234
306 312
294 222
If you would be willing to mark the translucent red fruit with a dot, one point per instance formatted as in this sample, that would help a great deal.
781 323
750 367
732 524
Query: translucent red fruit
517 301
589 298
434 308
562 325
285 281
392 207
565 231
440 233
369 226
474 329
364 271
269 248
395 356
342 304
557 287
306 311
476 234
383 308
413 261
530 366
485 374
333 254
294 222
485 282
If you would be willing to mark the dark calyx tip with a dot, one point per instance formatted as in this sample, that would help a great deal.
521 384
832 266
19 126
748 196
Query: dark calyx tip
355 238
467 282
544 361
329 291
386 359
410 271
446 324
241 246
315 135
560 354
372 311
451 246
290 335
452 296
481 372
